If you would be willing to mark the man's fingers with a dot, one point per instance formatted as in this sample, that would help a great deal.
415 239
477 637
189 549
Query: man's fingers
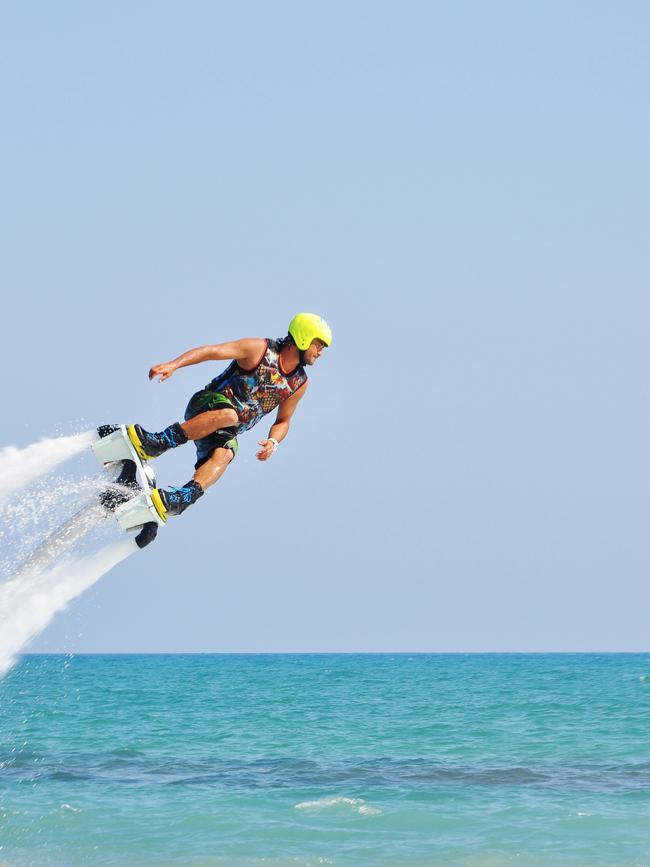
161 371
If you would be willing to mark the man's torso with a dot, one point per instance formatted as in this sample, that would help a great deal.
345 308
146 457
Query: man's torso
256 392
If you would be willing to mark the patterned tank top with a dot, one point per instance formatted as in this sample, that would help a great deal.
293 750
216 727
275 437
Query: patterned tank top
258 391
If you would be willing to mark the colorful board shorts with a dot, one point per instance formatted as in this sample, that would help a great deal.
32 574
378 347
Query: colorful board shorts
224 438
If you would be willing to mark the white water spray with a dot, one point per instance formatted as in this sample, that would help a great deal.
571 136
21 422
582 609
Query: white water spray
53 574
18 467
29 601
57 543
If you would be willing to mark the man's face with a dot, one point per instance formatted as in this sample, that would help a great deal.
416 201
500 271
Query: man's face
313 351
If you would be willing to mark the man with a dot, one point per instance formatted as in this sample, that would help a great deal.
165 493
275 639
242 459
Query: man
264 374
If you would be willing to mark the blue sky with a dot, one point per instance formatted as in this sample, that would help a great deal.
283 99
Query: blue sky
462 190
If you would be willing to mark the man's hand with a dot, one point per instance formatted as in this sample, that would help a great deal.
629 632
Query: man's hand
163 371
268 447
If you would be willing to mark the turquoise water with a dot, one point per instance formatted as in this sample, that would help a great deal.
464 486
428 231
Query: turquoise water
326 759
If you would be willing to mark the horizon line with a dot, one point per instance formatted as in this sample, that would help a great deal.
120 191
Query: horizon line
327 652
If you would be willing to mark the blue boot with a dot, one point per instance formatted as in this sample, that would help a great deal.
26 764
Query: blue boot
151 445
176 500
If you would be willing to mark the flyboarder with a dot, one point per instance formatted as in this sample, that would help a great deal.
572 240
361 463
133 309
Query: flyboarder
264 374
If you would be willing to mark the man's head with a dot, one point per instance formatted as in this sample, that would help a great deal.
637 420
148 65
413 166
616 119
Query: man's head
311 334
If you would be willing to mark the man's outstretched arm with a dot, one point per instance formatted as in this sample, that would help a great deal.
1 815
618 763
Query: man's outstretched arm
280 427
247 351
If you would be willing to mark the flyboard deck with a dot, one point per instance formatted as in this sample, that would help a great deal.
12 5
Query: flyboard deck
141 510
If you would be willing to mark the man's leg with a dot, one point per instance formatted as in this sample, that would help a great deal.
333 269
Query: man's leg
205 423
215 466
209 470
151 445
211 421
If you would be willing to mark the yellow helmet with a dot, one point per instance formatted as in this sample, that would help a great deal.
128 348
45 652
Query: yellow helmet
306 327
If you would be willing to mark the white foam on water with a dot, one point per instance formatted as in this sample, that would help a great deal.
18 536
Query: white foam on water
29 601
18 467
356 805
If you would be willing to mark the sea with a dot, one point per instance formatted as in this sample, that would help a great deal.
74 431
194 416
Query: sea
341 759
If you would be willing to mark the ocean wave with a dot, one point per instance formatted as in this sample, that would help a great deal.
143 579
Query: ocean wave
355 805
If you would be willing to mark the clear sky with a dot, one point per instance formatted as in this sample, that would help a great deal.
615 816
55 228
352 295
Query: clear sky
462 190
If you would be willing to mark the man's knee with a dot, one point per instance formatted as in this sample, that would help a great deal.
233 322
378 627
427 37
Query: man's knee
221 456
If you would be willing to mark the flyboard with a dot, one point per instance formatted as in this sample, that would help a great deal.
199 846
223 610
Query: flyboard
132 497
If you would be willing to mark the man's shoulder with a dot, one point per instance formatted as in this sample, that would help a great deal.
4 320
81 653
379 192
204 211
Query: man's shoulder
253 350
